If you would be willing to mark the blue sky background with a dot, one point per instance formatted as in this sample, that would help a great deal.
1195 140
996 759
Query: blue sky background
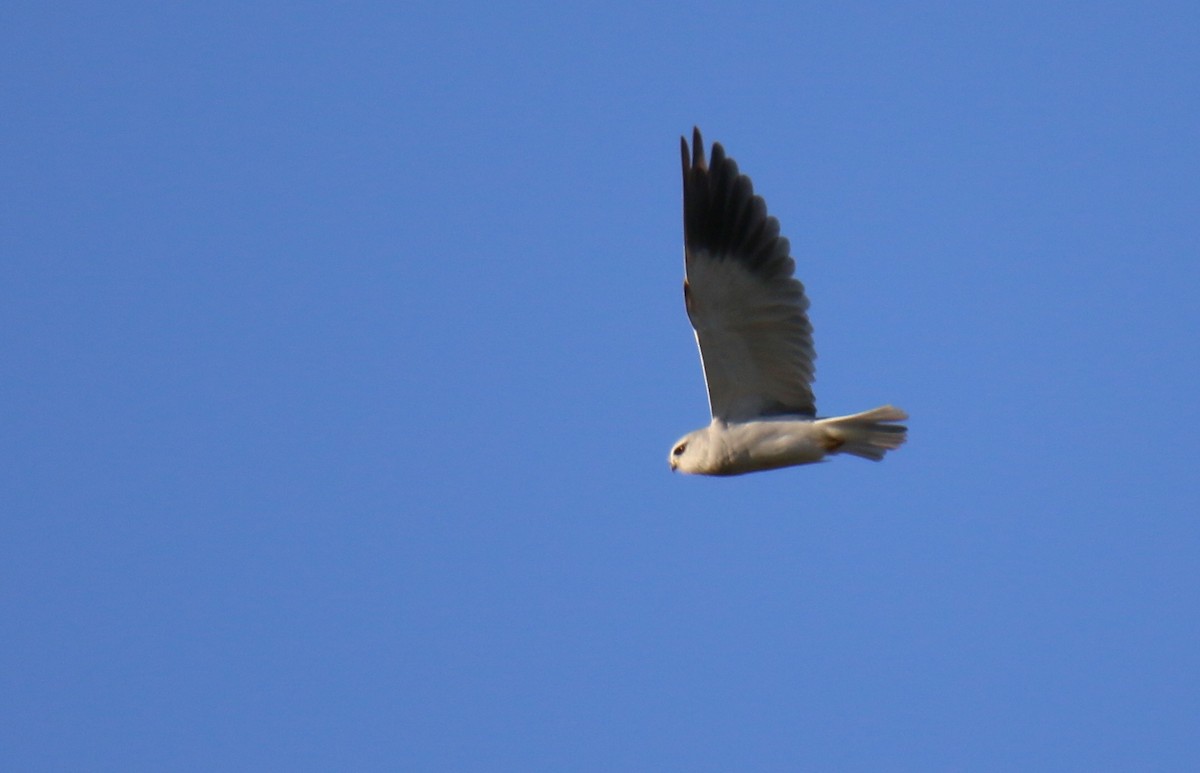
343 347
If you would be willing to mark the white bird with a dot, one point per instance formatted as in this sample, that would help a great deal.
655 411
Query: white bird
755 340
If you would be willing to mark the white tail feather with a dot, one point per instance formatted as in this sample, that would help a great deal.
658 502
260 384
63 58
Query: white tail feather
869 434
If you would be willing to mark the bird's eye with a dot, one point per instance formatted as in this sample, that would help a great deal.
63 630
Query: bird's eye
679 449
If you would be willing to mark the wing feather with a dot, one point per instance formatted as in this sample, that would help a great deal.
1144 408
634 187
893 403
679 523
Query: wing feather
747 308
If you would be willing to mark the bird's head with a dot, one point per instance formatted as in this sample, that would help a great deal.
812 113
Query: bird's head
690 452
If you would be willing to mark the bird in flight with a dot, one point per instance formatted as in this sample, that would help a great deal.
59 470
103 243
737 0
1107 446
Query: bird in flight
749 314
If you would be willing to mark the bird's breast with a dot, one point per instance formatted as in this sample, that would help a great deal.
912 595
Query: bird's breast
765 445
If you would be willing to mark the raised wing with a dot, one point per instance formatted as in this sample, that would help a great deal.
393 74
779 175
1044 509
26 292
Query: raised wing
746 307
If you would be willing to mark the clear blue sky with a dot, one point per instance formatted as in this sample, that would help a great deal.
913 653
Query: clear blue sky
343 348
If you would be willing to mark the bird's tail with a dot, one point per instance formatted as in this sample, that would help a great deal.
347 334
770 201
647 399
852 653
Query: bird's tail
869 434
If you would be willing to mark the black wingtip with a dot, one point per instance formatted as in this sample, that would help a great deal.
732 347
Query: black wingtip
693 158
718 158
723 215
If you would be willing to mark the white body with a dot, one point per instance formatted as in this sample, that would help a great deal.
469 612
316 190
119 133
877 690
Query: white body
785 441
